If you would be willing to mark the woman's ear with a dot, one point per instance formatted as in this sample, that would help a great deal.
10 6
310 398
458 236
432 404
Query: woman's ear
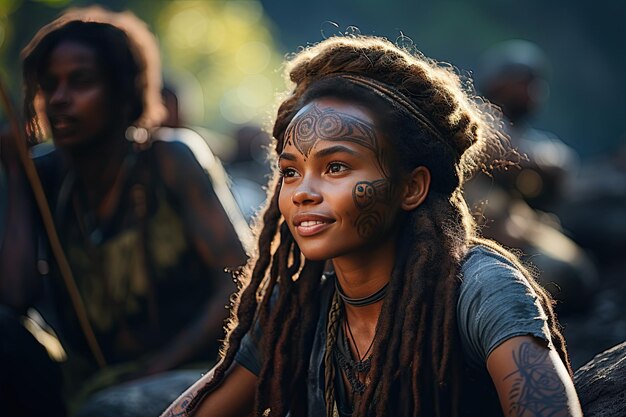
416 188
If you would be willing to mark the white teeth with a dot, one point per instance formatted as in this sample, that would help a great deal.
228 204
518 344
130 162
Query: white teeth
310 223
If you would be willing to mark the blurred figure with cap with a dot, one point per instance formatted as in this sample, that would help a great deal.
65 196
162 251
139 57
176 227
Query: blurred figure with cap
514 75
516 203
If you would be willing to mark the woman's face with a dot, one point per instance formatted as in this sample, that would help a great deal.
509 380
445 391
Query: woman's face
337 195
76 95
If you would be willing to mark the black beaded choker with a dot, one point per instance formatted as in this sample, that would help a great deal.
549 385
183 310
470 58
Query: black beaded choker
364 301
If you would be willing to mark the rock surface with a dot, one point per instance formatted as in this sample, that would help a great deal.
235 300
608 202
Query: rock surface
601 384
147 397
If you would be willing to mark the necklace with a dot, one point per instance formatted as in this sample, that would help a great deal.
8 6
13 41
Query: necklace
358 354
364 301
353 368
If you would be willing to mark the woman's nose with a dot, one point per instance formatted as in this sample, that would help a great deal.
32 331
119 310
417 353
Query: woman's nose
59 96
306 194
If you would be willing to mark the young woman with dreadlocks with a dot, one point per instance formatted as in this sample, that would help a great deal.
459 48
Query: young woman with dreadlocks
372 293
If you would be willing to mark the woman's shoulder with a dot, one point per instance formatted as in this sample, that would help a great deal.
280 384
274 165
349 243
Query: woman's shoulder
46 157
51 167
496 302
490 280
182 145
483 264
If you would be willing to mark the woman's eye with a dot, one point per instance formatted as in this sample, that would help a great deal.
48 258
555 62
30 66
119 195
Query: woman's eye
47 85
288 173
83 80
336 167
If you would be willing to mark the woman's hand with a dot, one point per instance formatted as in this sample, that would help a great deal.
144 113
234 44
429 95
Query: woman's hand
233 398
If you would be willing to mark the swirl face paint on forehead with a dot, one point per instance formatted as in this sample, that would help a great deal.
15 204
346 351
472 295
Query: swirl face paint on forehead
316 124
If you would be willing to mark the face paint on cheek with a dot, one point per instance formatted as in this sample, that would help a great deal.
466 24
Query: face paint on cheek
367 224
369 198
366 194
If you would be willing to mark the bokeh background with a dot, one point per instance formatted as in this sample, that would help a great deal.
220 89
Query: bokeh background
223 59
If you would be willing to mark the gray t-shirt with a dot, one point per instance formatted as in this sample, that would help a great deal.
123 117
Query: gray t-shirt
496 303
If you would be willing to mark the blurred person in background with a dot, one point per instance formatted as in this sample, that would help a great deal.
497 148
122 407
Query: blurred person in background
145 234
516 205
515 75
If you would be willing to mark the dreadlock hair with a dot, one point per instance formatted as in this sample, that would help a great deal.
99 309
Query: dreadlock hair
126 51
420 354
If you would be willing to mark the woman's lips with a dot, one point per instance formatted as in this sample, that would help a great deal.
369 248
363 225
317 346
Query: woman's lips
309 225
311 228
62 125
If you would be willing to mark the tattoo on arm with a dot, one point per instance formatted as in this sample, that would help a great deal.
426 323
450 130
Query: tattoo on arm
537 390
180 407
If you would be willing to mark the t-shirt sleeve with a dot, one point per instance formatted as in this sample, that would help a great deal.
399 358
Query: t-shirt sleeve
249 354
496 303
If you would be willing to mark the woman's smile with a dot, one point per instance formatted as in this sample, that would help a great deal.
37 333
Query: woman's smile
311 224
335 194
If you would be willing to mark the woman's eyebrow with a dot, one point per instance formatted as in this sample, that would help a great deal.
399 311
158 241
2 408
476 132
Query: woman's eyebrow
287 156
335 149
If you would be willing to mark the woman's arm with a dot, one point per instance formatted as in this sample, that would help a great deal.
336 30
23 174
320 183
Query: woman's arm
531 380
215 241
233 398
19 280
205 219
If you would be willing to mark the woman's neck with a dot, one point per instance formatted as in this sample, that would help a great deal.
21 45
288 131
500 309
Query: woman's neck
363 274
97 167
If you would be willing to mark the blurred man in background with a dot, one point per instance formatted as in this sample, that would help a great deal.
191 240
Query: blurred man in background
520 201
515 76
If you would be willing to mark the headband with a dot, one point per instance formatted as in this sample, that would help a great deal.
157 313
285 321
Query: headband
393 96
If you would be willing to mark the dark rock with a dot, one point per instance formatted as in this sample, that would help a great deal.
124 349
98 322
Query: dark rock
146 397
601 384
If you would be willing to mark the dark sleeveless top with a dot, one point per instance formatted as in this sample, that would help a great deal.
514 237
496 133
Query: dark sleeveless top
138 274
